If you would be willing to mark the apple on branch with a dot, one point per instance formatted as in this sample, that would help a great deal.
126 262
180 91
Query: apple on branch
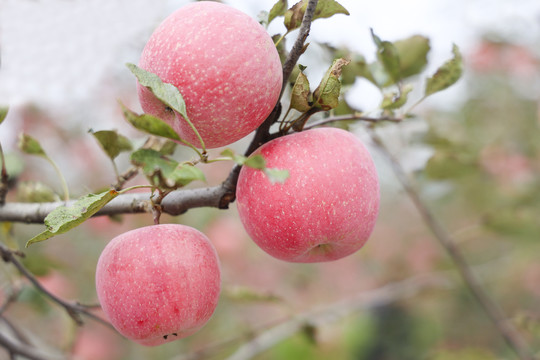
325 210
224 64
158 283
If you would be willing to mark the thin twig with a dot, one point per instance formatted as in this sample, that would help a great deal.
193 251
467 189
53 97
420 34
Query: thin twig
370 119
298 47
23 350
73 309
125 177
509 333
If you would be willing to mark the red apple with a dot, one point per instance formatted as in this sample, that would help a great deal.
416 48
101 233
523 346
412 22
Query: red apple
158 283
225 65
325 210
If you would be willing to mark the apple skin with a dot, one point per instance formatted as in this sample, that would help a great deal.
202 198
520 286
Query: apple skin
225 65
158 283
325 210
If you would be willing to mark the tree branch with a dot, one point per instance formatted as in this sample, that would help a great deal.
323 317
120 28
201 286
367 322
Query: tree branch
73 309
298 46
509 333
333 119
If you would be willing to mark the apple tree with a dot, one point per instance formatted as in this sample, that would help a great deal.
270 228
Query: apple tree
301 181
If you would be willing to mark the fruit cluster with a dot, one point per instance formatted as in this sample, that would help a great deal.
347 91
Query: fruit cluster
162 282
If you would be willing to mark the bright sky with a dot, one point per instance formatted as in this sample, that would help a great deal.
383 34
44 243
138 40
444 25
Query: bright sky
70 55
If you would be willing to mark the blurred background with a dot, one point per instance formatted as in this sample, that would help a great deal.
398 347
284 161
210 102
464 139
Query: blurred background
473 151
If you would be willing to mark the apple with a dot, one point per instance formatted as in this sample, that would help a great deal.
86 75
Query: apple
325 210
158 283
224 64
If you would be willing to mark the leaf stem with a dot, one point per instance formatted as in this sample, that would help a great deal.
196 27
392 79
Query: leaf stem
281 38
203 155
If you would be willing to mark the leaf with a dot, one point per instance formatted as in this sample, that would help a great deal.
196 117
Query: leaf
277 175
412 53
163 171
167 93
30 146
396 100
300 93
112 142
63 218
363 69
446 75
150 124
324 9
152 161
388 55
278 9
326 96
256 162
187 173
230 154
3 113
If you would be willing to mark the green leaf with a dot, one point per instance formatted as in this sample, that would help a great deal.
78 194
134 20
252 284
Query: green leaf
278 9
300 93
363 69
256 162
447 75
31 146
167 93
163 171
396 100
14 164
276 175
230 154
388 55
326 96
63 218
112 142
412 53
3 113
152 161
150 124
186 173
324 9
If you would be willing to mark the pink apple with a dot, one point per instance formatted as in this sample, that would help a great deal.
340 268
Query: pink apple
225 65
325 210
158 283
